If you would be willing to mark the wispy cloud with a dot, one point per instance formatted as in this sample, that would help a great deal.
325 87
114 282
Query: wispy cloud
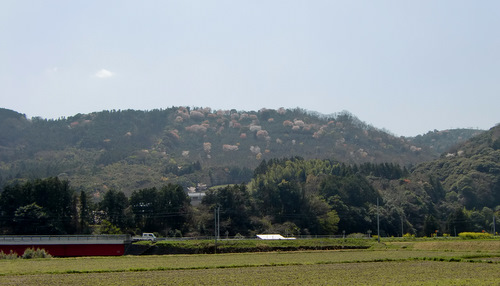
51 70
104 73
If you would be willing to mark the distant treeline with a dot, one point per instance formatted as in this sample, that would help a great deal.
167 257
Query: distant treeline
287 196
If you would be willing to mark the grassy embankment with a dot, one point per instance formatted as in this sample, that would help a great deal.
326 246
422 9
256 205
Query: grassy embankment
251 245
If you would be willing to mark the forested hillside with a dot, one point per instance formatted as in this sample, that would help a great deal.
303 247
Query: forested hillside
289 172
128 150
288 196
442 140
458 192
468 182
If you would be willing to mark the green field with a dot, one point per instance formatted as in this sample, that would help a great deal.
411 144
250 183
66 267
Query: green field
460 262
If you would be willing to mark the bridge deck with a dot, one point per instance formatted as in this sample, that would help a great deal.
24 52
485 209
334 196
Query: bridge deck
63 239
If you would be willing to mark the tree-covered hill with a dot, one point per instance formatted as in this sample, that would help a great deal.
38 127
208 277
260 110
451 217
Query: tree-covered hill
442 141
129 149
460 191
469 173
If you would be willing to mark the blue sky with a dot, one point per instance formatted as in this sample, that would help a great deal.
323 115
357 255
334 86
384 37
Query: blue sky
406 66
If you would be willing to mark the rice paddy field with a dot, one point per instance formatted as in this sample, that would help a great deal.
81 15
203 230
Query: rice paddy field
426 262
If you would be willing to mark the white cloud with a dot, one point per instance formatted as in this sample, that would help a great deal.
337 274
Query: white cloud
104 73
51 70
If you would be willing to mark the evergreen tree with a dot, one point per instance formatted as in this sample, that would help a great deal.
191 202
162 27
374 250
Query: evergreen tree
458 222
431 226
114 205
32 219
84 213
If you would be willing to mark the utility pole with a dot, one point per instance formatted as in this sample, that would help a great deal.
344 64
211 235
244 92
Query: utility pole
402 227
402 223
218 222
378 224
217 225
494 226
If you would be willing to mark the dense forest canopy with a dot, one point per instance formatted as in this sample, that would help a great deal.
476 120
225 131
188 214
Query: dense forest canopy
273 171
288 196
131 149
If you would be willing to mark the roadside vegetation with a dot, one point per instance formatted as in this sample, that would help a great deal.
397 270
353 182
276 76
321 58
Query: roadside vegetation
29 253
255 245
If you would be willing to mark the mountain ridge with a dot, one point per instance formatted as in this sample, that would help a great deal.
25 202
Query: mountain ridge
190 145
291 172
